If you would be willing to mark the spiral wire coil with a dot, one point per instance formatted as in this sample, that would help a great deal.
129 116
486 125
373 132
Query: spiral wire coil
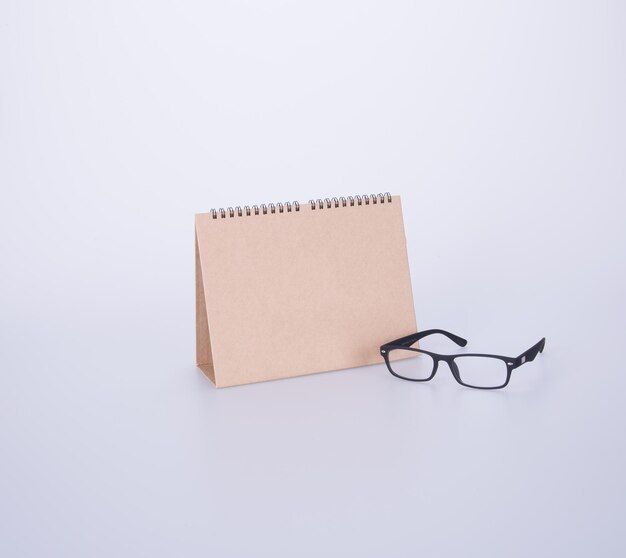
288 207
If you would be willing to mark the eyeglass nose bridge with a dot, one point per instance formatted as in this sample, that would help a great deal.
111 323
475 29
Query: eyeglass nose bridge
449 360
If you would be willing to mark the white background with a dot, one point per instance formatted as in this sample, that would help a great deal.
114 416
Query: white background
501 125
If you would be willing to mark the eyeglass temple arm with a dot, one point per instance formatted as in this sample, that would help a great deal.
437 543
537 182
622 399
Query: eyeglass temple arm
410 339
530 354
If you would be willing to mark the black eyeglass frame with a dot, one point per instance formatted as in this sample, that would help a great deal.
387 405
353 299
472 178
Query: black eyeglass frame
405 343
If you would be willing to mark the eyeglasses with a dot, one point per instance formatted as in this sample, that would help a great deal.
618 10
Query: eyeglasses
478 371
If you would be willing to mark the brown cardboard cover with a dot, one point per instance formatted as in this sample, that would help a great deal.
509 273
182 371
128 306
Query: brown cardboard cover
293 293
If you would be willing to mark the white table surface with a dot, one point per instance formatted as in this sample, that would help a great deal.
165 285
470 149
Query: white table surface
501 125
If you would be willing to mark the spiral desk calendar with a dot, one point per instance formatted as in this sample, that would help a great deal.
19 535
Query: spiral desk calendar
287 289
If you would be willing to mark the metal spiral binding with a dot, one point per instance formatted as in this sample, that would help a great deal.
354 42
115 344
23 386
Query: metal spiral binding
365 199
288 207
262 209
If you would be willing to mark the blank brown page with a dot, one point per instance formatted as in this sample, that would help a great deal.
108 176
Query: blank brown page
297 292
